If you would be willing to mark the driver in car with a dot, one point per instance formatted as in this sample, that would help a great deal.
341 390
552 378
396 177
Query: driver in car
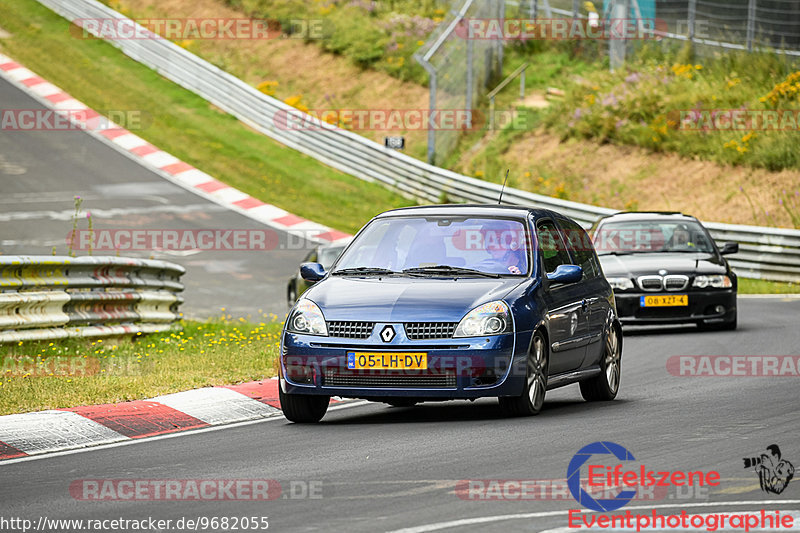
681 239
503 256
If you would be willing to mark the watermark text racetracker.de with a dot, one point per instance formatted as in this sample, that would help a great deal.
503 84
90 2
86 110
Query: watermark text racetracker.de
22 120
207 239
205 28
734 366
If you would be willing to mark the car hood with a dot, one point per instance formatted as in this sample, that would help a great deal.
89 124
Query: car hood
405 299
674 263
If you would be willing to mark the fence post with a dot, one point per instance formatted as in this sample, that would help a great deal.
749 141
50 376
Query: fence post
500 43
575 8
470 82
692 19
751 24
431 119
534 11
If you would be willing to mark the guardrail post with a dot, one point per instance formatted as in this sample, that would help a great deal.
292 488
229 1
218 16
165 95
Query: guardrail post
575 8
751 24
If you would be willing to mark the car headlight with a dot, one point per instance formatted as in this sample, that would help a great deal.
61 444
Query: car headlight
307 318
620 284
492 318
717 282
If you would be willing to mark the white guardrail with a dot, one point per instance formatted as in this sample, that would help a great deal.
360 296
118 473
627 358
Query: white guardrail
766 253
54 297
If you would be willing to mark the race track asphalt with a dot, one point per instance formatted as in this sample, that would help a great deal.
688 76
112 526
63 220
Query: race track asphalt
383 469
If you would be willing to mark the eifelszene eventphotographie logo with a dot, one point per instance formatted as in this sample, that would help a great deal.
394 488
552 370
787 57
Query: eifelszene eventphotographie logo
594 459
774 472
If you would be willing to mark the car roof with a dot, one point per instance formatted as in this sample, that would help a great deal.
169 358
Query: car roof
648 215
490 210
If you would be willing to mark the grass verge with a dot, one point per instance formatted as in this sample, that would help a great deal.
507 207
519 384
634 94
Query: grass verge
186 125
69 373
759 286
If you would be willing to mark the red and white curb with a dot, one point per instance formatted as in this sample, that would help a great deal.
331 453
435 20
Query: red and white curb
164 164
56 430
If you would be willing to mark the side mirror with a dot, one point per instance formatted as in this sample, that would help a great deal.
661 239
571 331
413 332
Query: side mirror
312 272
566 274
730 248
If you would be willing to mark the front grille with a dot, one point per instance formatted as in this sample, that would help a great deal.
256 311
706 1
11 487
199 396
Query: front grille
651 283
350 330
430 330
389 379
676 283
668 283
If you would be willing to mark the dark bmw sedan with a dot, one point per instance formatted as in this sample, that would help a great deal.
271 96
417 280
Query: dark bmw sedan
665 268
453 302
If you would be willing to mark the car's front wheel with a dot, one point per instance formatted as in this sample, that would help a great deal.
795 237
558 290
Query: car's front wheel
303 408
604 386
531 400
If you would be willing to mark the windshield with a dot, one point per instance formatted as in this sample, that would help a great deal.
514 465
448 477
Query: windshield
485 245
651 236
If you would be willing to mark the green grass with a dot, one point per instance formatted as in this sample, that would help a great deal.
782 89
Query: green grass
84 372
758 286
187 126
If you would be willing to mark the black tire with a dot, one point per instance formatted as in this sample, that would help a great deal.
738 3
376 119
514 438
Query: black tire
530 402
605 386
724 326
303 408
401 402
291 295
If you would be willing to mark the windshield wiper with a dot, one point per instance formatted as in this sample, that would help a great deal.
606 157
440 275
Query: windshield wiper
449 270
363 270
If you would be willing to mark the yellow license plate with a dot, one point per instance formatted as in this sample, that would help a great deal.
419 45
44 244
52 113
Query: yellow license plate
671 300
387 361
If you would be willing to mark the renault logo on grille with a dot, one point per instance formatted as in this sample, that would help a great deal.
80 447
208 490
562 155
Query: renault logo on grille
387 333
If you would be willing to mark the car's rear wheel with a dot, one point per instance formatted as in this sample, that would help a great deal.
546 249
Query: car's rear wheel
604 386
531 400
291 295
303 408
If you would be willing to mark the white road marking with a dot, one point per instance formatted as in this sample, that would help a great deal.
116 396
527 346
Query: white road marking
544 514
130 442
67 214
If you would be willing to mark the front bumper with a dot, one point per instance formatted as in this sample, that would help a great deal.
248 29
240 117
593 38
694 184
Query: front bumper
701 308
458 368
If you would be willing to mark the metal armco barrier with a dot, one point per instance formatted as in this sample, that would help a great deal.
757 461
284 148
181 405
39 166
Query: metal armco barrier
767 253
52 297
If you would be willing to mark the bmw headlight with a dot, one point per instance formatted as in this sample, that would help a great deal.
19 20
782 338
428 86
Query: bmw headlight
492 318
717 282
307 318
620 284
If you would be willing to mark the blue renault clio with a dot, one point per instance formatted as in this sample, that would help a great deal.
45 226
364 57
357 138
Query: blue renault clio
453 302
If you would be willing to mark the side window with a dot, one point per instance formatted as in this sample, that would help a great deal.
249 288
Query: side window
581 248
554 254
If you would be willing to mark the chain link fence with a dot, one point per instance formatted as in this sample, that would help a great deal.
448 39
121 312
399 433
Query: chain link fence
459 68
712 25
